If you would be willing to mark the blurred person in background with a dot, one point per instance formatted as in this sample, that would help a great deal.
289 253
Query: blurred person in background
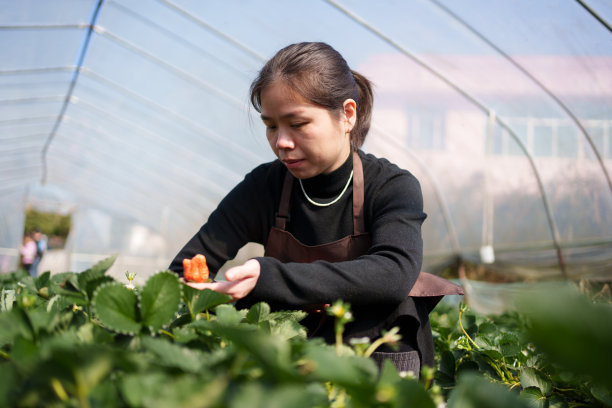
28 252
41 247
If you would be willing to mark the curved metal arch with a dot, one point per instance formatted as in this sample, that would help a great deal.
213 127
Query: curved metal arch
128 124
27 121
37 70
144 197
232 41
169 67
75 77
176 116
163 179
551 222
595 15
140 203
170 34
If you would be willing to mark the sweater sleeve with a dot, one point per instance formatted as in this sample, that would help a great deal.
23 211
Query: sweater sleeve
384 275
241 217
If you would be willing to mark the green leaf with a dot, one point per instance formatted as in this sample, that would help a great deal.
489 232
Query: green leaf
43 279
91 285
531 377
348 371
603 394
163 389
184 334
444 380
447 363
43 320
83 366
201 300
572 331
174 355
509 345
556 401
467 365
29 283
66 284
287 329
101 267
14 323
7 298
534 397
473 391
90 279
399 392
258 313
412 394
24 353
10 381
255 395
139 388
272 353
484 342
227 315
487 328
160 300
494 355
288 315
116 307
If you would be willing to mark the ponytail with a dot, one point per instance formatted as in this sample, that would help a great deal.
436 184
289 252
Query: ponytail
364 110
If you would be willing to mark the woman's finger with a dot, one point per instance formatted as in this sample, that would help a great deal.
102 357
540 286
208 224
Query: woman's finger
216 286
250 269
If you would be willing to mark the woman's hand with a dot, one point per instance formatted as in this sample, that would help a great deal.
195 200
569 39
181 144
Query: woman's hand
239 280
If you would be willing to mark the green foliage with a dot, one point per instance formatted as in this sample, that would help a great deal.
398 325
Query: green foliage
117 308
160 300
552 352
84 340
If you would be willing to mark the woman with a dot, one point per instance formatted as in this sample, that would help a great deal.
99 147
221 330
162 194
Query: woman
336 223
28 253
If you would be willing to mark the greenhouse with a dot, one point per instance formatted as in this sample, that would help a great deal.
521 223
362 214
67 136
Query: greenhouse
133 118
125 123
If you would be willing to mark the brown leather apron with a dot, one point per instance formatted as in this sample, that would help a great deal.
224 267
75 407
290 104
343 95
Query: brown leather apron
283 246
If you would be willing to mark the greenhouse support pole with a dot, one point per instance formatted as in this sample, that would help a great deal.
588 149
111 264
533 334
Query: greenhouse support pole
487 254
73 81
596 15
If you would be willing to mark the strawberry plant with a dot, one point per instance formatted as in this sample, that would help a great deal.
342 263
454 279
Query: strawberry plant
87 340
553 351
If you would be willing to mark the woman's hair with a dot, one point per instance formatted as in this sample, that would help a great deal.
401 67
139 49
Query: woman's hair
319 74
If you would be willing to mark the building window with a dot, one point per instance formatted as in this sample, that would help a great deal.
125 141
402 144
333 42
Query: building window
426 132
542 141
553 138
505 144
566 141
601 134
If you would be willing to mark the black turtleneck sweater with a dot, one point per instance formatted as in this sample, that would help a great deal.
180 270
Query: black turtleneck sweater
393 210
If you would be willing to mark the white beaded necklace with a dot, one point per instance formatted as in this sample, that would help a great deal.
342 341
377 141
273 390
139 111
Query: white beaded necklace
311 201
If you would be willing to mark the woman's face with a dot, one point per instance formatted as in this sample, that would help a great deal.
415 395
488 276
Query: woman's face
307 138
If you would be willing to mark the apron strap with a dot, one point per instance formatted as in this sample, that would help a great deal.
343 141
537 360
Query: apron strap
283 209
358 194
